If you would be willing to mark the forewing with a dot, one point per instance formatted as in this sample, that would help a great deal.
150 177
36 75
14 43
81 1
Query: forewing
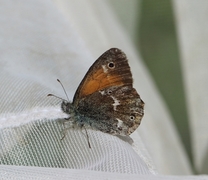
110 69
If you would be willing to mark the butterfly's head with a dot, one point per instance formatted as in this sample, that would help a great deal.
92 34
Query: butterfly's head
67 107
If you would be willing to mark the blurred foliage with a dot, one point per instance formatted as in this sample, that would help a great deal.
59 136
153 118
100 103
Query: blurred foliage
157 42
151 25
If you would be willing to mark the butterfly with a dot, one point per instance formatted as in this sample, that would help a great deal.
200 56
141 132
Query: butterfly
105 99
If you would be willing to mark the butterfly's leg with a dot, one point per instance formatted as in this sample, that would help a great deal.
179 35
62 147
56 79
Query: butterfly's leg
86 134
65 129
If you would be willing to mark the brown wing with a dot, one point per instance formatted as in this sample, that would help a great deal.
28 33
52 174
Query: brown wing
110 69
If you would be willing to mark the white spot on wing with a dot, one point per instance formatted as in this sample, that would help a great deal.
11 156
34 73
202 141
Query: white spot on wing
105 69
120 123
102 92
116 103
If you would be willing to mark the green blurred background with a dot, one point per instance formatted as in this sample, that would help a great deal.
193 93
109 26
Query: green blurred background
151 25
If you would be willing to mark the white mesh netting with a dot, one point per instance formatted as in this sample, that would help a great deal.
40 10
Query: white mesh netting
45 40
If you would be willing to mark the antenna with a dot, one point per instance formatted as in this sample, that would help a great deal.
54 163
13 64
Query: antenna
63 89
64 92
56 97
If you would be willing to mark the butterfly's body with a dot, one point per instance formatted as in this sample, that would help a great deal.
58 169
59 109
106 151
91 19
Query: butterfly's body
105 99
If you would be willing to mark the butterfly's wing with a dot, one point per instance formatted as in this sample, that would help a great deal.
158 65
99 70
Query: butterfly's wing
106 98
116 110
110 69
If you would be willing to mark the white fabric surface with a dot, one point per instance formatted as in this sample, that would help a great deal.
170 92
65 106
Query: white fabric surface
41 41
54 173
192 31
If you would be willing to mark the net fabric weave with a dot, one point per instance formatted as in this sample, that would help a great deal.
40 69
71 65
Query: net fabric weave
54 173
39 144
41 43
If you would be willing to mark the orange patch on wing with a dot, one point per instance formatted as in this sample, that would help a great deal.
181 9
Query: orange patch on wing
98 81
